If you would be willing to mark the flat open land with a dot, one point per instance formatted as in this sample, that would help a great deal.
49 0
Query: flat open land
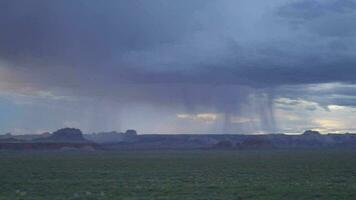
187 175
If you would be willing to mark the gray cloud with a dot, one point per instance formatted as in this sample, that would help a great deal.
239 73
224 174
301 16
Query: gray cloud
164 42
232 57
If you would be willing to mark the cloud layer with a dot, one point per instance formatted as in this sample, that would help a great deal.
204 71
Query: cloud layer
231 58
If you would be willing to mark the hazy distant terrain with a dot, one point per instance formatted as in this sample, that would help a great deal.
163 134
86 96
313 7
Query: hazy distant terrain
74 139
176 175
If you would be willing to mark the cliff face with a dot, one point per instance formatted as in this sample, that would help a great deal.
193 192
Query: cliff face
67 134
66 138
71 135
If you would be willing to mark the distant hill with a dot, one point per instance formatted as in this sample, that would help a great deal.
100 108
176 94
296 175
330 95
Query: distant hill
111 137
308 140
311 133
64 135
67 134
62 139
71 138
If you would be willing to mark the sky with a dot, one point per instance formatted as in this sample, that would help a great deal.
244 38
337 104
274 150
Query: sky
167 66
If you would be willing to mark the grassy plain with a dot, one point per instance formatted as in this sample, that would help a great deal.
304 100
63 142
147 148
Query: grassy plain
173 175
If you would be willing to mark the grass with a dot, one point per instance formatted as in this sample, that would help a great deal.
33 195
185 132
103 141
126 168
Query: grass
187 175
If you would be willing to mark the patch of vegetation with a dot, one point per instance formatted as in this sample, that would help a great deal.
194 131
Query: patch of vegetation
188 175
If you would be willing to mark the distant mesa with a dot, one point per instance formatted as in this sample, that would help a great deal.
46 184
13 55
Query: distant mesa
311 133
112 137
62 139
131 132
68 139
67 134
63 135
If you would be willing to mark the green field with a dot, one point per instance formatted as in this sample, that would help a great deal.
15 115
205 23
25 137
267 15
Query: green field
179 175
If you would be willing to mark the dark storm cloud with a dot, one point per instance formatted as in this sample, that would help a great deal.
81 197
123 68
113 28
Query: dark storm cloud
202 55
305 10
326 18
88 32
175 42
